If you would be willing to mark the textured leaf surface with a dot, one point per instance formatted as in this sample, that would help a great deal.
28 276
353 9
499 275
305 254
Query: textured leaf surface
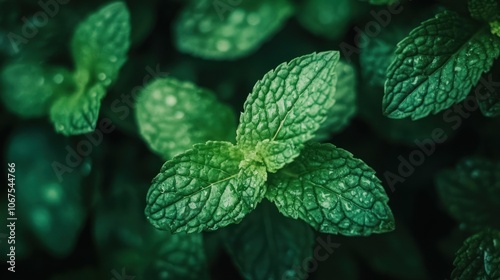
486 10
431 72
327 18
174 115
290 103
396 255
204 189
51 210
125 239
77 113
101 42
344 108
228 29
332 191
471 192
490 106
266 245
479 257
29 89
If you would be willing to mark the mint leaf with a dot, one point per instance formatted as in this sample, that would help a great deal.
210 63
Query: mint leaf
288 105
396 255
173 115
495 27
431 72
266 245
485 10
379 51
204 189
330 19
124 239
179 256
344 108
101 42
490 106
99 48
332 191
28 89
52 210
228 30
471 192
78 112
479 257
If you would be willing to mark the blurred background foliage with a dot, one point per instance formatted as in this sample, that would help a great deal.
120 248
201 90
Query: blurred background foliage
91 224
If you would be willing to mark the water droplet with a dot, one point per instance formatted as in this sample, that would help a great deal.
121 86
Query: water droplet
171 100
205 26
113 58
41 81
101 76
58 78
253 19
223 45
192 205
53 193
179 115
457 69
415 81
156 95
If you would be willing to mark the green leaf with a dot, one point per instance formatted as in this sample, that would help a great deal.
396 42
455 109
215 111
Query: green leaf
50 206
379 51
266 245
332 191
288 105
28 89
101 42
330 19
341 113
124 238
485 10
479 257
437 65
77 113
228 29
396 255
490 105
471 192
176 256
174 115
204 189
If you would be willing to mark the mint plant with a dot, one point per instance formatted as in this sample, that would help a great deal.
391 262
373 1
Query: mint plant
441 60
173 115
218 183
221 30
471 194
72 99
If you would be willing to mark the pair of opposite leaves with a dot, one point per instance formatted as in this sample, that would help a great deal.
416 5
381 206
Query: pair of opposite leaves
99 48
217 183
